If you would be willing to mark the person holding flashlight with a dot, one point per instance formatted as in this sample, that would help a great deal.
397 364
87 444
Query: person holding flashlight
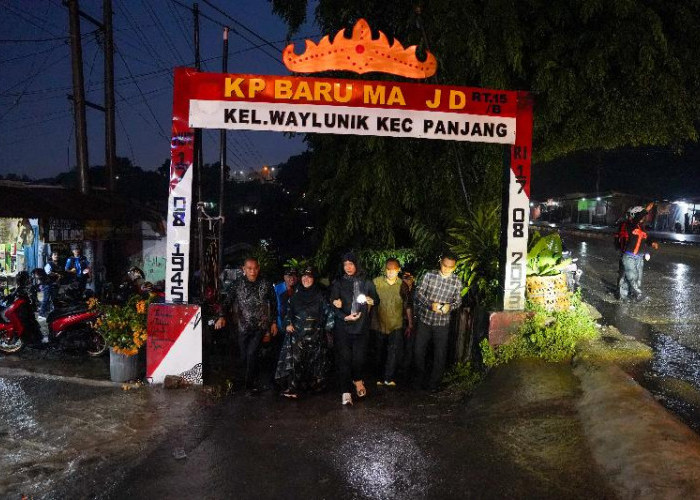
352 296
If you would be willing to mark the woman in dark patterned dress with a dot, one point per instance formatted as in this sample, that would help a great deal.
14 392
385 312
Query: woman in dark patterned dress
304 362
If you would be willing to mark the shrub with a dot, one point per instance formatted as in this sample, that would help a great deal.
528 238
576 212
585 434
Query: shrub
475 240
552 336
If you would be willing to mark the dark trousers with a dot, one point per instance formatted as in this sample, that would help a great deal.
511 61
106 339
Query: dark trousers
424 334
409 345
48 292
249 343
350 356
389 353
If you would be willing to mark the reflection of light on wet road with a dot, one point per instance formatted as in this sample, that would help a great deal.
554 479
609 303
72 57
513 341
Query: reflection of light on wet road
386 465
681 299
674 360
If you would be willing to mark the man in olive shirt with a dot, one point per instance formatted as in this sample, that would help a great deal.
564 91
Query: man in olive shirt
387 320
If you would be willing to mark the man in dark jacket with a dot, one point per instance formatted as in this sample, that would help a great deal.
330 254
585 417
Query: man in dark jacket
256 306
633 256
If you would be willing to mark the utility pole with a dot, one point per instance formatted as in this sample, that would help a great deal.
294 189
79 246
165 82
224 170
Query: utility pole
110 133
81 148
197 251
222 161
198 156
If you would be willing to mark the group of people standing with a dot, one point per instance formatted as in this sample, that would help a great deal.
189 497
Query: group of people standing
77 267
312 328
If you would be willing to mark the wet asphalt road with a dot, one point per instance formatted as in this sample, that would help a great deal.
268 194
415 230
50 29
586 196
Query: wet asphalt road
512 439
668 320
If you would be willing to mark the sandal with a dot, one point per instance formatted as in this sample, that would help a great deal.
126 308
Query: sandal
360 389
290 394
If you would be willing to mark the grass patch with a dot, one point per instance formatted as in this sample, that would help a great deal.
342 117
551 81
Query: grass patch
463 377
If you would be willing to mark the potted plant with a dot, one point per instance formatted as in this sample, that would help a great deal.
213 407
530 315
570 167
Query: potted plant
124 330
546 283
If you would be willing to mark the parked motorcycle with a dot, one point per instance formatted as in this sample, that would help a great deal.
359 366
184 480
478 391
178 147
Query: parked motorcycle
69 323
17 321
573 273
133 283
74 324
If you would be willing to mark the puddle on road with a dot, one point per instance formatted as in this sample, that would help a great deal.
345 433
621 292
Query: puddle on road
384 465
17 411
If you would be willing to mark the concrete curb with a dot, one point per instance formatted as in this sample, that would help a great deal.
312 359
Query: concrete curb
21 372
644 450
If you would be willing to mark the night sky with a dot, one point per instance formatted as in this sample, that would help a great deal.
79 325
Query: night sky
151 37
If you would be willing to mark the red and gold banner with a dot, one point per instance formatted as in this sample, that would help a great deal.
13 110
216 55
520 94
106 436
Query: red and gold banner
335 106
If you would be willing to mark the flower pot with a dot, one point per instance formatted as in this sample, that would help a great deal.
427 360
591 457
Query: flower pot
549 292
123 368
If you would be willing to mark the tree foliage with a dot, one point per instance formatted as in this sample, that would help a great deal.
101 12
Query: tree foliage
605 74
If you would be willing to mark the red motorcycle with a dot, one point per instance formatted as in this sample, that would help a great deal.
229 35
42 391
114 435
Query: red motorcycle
70 323
17 322
75 324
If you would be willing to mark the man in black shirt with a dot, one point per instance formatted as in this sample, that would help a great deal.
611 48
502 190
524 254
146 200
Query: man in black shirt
256 306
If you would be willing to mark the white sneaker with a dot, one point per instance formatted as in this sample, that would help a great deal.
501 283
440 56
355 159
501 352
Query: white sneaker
347 398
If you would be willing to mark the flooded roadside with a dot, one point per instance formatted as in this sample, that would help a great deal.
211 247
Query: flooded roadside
668 321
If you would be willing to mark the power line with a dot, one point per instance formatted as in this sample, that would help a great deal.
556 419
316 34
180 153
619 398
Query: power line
23 16
128 138
33 40
182 25
240 24
145 101
233 30
166 37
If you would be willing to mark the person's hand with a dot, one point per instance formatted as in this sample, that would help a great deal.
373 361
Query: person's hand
436 307
445 308
220 323
266 338
273 329
369 301
353 316
338 303
655 246
409 332
290 328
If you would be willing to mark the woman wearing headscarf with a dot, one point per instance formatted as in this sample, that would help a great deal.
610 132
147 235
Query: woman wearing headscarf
352 297
303 362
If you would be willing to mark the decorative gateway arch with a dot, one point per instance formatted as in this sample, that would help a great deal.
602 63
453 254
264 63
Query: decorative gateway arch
338 106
